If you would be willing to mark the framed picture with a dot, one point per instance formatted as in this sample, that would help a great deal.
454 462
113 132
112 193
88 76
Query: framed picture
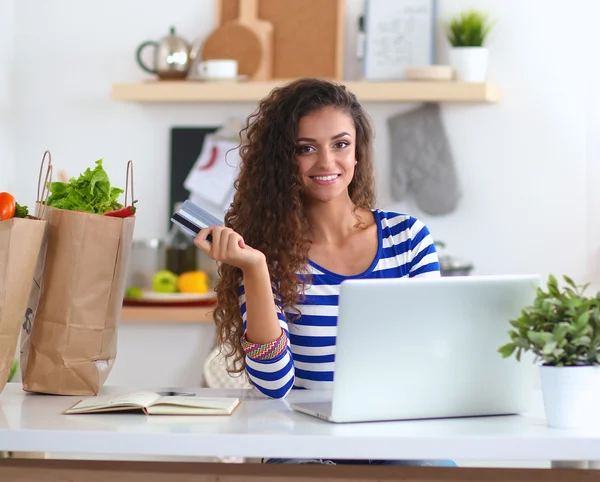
398 34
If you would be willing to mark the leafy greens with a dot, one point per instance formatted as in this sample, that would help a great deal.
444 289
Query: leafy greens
91 192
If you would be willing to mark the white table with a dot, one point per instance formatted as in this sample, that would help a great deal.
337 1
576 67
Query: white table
268 428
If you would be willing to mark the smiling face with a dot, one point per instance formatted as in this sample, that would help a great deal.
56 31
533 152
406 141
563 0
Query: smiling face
326 153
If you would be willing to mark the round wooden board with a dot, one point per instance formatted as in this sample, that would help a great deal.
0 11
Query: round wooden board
234 41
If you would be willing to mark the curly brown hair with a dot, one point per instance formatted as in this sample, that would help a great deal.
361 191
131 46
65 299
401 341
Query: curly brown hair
268 208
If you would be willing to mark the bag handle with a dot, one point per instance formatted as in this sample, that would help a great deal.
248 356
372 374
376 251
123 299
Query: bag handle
128 181
44 192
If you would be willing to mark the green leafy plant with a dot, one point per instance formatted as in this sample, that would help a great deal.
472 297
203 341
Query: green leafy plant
561 327
468 29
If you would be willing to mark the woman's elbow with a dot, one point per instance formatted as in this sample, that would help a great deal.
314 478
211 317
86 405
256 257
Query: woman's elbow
275 393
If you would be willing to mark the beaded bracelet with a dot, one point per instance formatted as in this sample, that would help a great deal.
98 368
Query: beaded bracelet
267 351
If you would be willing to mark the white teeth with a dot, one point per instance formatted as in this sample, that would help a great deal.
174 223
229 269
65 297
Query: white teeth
325 178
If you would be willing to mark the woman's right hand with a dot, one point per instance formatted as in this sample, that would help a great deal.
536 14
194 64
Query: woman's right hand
229 247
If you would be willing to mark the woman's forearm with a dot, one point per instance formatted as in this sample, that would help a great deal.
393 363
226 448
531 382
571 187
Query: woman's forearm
269 362
262 324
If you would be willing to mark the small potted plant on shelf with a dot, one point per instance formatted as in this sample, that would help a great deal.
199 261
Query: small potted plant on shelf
562 329
468 57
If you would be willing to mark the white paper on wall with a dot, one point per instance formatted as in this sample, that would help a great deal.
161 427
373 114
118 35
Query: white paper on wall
399 34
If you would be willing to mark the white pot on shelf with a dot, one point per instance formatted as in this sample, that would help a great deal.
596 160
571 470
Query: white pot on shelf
571 395
469 63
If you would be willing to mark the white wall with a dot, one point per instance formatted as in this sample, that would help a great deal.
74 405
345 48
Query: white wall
7 54
593 155
526 164
522 162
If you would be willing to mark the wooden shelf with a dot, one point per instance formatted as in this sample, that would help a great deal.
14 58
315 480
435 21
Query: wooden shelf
194 91
200 314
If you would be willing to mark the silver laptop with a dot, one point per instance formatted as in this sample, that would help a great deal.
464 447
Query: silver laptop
427 348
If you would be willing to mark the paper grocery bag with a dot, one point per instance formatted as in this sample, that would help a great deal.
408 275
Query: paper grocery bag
69 344
20 242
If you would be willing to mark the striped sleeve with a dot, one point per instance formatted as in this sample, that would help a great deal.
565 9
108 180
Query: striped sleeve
423 255
273 376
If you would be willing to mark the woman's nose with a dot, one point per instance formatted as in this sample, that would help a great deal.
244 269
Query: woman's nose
327 158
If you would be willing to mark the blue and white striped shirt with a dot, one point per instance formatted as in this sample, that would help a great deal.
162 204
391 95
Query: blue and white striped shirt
405 249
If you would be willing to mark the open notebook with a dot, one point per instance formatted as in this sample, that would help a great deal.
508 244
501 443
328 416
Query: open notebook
153 404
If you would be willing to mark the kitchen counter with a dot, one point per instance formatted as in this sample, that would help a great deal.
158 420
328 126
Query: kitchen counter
263 427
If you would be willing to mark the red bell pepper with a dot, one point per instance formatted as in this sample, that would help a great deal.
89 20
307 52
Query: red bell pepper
123 212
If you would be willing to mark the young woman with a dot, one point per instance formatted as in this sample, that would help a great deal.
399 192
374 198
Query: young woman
302 221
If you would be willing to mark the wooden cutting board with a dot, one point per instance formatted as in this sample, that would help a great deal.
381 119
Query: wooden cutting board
308 35
247 39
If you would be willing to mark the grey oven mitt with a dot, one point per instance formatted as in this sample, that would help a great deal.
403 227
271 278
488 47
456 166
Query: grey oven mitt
422 161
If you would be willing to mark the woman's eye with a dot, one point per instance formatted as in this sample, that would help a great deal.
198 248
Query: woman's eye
341 144
305 149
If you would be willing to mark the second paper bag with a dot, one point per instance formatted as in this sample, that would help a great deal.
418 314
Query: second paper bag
69 341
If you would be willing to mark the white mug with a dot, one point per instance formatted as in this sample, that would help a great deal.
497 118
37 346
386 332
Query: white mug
218 69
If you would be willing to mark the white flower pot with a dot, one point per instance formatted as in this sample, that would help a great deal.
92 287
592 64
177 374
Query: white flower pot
571 395
469 63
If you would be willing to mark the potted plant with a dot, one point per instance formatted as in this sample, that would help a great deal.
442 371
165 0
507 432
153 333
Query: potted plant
562 329
466 33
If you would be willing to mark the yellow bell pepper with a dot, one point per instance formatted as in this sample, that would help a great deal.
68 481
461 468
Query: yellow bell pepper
193 282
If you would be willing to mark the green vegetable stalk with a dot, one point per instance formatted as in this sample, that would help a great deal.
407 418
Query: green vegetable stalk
13 370
90 193
21 211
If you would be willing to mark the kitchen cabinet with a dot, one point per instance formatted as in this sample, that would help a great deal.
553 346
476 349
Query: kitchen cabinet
163 347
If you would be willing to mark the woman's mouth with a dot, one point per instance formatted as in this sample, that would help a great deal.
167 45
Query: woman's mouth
329 179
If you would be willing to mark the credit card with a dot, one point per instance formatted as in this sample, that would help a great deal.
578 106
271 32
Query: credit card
192 218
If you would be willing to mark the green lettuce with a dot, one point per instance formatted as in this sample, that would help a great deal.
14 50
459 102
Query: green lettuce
91 192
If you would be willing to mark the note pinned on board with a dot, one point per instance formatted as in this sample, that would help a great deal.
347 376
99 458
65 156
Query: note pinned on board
212 176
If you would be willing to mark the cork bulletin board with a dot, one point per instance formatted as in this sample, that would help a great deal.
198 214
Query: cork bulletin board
308 35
